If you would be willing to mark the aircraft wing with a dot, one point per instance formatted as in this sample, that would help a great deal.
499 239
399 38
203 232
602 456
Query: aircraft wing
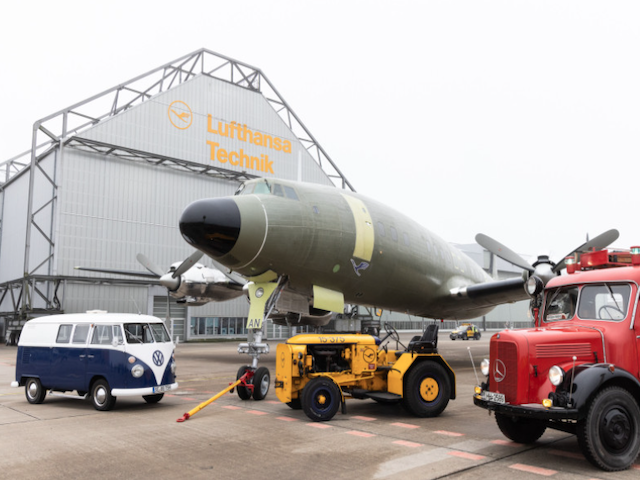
119 272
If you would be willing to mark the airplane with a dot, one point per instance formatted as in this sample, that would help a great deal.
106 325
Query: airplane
187 281
306 250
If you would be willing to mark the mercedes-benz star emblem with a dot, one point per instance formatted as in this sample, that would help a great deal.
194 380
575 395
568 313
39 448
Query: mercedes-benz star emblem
158 358
499 371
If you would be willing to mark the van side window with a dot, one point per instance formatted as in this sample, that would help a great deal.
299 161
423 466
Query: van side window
80 333
64 334
102 335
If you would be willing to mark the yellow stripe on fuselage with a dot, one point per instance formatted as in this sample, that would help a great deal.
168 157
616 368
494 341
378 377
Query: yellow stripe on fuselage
363 247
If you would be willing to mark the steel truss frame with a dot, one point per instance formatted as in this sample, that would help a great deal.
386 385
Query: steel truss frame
58 131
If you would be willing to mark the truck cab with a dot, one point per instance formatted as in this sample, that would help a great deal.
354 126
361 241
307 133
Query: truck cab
578 369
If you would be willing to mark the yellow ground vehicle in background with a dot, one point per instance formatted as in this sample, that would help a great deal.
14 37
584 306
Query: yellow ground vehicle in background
319 372
465 332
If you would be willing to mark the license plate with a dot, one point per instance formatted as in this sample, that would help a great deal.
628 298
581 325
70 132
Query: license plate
493 397
161 388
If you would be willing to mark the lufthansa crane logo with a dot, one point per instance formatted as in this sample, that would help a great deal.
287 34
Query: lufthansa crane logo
158 358
180 115
499 371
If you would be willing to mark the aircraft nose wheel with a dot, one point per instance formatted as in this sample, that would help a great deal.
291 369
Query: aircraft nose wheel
259 383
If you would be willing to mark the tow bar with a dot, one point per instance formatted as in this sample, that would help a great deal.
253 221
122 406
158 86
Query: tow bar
242 381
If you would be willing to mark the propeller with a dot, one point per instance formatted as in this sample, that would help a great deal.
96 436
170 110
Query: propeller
171 280
543 267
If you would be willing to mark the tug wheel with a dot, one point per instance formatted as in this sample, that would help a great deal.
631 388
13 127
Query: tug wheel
321 399
427 390
610 435
243 392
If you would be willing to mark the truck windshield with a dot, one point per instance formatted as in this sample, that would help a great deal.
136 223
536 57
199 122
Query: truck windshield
591 302
560 304
604 302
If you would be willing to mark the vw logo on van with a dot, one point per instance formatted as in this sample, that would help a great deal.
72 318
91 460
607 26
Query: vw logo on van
499 371
158 358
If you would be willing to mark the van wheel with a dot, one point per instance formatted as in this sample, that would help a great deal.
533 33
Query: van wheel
426 390
519 429
153 398
610 435
261 381
101 396
34 391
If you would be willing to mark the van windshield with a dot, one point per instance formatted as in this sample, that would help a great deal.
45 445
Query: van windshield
145 333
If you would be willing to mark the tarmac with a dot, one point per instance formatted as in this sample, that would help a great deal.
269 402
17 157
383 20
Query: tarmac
65 437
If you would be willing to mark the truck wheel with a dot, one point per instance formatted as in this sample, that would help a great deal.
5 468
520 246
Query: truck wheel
610 435
321 399
101 395
261 382
243 392
34 391
426 390
520 430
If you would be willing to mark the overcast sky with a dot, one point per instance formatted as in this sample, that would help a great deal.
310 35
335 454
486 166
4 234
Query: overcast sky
517 119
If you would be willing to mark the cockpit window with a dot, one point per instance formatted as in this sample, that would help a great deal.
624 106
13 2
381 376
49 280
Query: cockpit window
591 302
277 190
262 187
604 302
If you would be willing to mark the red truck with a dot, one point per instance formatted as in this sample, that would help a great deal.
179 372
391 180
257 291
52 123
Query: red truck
578 369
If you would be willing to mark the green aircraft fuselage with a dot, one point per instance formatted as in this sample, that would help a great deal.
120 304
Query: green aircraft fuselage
335 244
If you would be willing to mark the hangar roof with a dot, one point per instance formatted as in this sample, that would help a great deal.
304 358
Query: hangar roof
70 125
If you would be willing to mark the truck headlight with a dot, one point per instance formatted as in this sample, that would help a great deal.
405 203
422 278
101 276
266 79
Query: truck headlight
137 371
484 367
556 375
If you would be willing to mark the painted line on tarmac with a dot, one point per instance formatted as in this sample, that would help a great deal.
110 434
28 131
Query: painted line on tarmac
356 433
318 425
467 455
406 443
546 472
257 412
287 419
364 419
232 407
449 434
405 425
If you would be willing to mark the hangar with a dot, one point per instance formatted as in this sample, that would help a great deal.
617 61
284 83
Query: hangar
107 178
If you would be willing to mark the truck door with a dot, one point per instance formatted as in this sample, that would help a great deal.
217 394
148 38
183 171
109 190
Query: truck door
636 332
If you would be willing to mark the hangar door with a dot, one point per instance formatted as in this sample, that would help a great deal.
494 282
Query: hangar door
178 314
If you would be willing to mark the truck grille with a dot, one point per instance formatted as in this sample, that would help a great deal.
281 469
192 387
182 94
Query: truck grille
505 354
564 350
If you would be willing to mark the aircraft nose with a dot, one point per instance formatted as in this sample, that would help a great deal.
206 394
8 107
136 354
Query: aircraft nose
211 225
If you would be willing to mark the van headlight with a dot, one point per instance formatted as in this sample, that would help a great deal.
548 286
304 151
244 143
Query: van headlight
173 368
137 371
484 367
556 375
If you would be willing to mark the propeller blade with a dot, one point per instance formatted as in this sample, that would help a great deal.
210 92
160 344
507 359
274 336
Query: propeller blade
234 277
149 265
503 252
118 272
188 263
601 241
